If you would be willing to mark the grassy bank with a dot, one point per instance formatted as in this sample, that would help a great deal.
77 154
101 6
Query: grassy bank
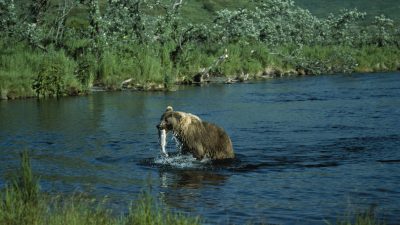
58 48
31 73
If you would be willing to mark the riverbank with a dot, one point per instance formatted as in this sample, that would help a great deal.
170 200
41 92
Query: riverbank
67 48
29 73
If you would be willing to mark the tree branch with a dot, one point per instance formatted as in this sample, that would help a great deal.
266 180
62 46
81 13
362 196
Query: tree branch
177 4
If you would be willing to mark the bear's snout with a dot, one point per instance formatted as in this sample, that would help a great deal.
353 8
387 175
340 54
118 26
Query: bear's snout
161 126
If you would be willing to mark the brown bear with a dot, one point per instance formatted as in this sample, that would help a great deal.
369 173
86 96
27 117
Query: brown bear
199 138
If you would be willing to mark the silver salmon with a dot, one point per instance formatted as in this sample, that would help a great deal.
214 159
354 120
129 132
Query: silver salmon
162 135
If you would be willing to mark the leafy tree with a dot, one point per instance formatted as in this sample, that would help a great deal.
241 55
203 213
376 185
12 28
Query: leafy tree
37 10
232 26
343 28
382 31
123 22
8 18
283 22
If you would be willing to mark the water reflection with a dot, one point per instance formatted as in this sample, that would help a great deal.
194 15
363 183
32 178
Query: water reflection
190 179
184 189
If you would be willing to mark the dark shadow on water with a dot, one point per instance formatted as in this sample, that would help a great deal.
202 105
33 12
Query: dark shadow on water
113 159
241 164
279 163
182 189
191 179
389 161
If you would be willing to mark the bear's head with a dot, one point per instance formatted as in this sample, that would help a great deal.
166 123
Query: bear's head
169 120
176 121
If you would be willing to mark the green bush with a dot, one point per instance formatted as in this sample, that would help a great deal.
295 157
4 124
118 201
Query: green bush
326 59
87 70
56 76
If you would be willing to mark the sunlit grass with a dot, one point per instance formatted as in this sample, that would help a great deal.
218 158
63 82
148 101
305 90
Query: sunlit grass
21 68
17 69
375 59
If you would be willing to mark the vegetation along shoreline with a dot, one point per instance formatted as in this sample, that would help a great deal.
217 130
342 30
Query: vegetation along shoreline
63 48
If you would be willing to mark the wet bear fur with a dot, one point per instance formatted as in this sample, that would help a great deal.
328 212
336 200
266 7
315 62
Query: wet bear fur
197 137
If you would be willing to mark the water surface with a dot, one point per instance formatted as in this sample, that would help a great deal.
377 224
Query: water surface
309 149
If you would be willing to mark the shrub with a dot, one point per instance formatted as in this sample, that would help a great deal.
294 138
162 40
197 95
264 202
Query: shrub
56 76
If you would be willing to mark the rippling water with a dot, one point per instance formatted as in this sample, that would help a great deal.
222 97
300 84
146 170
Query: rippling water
308 149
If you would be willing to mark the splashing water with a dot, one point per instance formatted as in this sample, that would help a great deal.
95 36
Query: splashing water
176 160
180 161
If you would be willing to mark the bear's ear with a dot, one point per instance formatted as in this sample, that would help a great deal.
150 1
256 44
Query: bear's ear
169 109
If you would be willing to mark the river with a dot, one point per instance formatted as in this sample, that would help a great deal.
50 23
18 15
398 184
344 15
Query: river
309 149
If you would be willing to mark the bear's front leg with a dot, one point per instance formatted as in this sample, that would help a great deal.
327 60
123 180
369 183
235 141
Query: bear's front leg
198 151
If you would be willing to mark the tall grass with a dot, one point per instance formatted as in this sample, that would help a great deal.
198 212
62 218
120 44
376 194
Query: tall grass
114 70
20 200
375 59
25 72
17 69
143 64
368 217
22 203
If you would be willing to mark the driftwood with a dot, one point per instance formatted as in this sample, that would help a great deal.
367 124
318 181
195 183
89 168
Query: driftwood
240 78
125 82
204 74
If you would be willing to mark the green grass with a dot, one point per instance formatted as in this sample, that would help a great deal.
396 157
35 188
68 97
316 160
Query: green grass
368 217
22 202
27 73
17 69
145 65
374 59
